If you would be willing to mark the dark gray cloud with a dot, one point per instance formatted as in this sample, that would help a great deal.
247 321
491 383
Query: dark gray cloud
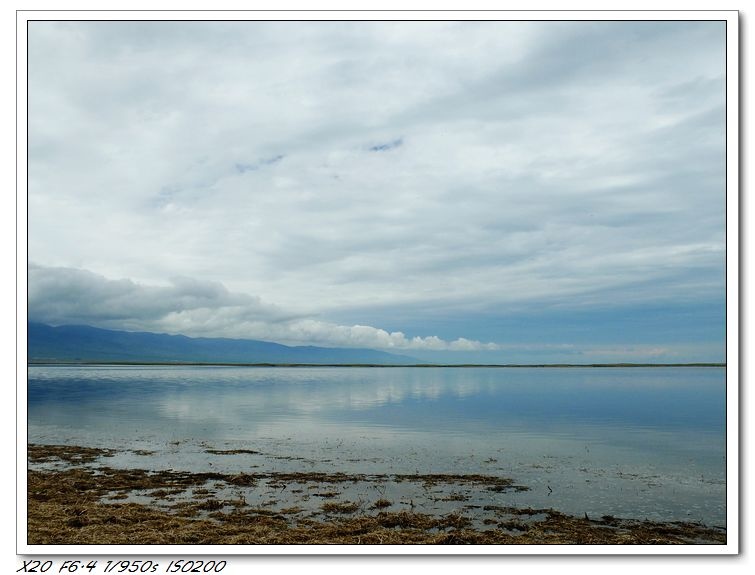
385 146
68 295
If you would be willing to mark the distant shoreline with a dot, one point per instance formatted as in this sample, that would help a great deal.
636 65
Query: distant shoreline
417 365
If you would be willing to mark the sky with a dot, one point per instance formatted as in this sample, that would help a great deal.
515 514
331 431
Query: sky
498 192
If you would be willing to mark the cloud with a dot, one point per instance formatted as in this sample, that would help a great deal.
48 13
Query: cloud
241 167
371 337
200 308
435 168
384 147
74 295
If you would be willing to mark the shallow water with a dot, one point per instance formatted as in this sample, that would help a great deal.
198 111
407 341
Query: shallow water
630 442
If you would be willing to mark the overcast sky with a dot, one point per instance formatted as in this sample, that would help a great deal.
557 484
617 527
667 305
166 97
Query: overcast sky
491 191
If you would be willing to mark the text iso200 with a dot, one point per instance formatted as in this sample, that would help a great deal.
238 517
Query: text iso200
198 566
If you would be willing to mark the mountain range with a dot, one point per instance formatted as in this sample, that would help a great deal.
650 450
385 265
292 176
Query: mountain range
82 343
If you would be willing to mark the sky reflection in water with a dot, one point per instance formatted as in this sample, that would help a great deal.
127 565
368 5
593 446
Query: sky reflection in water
639 440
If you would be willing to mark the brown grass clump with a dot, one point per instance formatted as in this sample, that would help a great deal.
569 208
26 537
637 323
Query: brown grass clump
381 504
318 477
211 505
513 525
327 494
453 497
494 483
68 453
346 507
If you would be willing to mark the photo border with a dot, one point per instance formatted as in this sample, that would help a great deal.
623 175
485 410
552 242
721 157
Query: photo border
733 341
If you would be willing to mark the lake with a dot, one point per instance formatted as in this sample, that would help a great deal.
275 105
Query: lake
629 442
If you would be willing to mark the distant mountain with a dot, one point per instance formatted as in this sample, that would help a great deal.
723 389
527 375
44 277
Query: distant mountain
74 343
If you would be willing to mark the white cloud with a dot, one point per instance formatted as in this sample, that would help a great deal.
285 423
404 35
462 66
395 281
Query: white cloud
199 308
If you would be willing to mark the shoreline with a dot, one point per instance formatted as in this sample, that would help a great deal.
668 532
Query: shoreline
74 497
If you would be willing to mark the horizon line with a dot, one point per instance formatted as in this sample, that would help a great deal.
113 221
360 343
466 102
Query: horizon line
388 365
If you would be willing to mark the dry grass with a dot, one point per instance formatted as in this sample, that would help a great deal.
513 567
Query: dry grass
79 455
453 497
66 507
68 453
494 483
345 507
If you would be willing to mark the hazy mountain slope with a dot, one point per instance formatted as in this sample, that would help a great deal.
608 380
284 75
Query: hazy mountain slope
85 343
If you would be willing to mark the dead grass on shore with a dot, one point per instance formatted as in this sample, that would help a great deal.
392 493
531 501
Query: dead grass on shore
142 479
65 507
85 522
68 453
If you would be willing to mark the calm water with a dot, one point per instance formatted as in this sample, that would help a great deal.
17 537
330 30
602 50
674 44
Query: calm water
641 443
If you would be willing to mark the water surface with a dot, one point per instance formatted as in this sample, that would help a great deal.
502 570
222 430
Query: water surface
630 442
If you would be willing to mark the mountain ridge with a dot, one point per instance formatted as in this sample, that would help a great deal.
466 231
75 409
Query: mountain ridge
83 343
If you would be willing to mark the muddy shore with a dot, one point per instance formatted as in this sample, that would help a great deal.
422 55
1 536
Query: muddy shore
74 497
